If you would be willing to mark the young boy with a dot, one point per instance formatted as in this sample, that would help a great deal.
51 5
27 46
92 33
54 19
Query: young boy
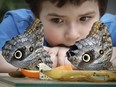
65 21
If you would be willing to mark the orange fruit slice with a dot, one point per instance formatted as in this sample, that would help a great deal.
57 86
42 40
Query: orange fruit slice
31 73
66 67
36 74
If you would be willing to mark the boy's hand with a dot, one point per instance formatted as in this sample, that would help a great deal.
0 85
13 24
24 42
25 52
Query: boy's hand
58 56
113 59
53 52
62 58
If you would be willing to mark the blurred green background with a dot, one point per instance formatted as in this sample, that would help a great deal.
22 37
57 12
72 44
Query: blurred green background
6 5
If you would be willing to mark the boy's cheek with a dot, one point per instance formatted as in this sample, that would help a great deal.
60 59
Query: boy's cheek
53 38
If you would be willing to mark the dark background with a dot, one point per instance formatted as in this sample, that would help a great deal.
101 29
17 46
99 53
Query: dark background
6 5
112 6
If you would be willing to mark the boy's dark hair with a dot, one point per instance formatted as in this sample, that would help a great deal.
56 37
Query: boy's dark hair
35 5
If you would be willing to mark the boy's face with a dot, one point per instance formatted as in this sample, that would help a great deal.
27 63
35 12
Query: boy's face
70 23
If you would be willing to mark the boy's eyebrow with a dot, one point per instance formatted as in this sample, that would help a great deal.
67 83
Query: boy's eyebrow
57 15
54 14
88 13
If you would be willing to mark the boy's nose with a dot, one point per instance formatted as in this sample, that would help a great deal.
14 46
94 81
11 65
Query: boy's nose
73 33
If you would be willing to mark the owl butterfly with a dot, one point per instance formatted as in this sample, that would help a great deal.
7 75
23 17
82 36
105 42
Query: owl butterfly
26 50
94 52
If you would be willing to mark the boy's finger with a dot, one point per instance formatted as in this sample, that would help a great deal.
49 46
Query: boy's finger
54 60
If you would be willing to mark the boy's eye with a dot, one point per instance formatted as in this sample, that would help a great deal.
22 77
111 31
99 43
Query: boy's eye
86 18
57 20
